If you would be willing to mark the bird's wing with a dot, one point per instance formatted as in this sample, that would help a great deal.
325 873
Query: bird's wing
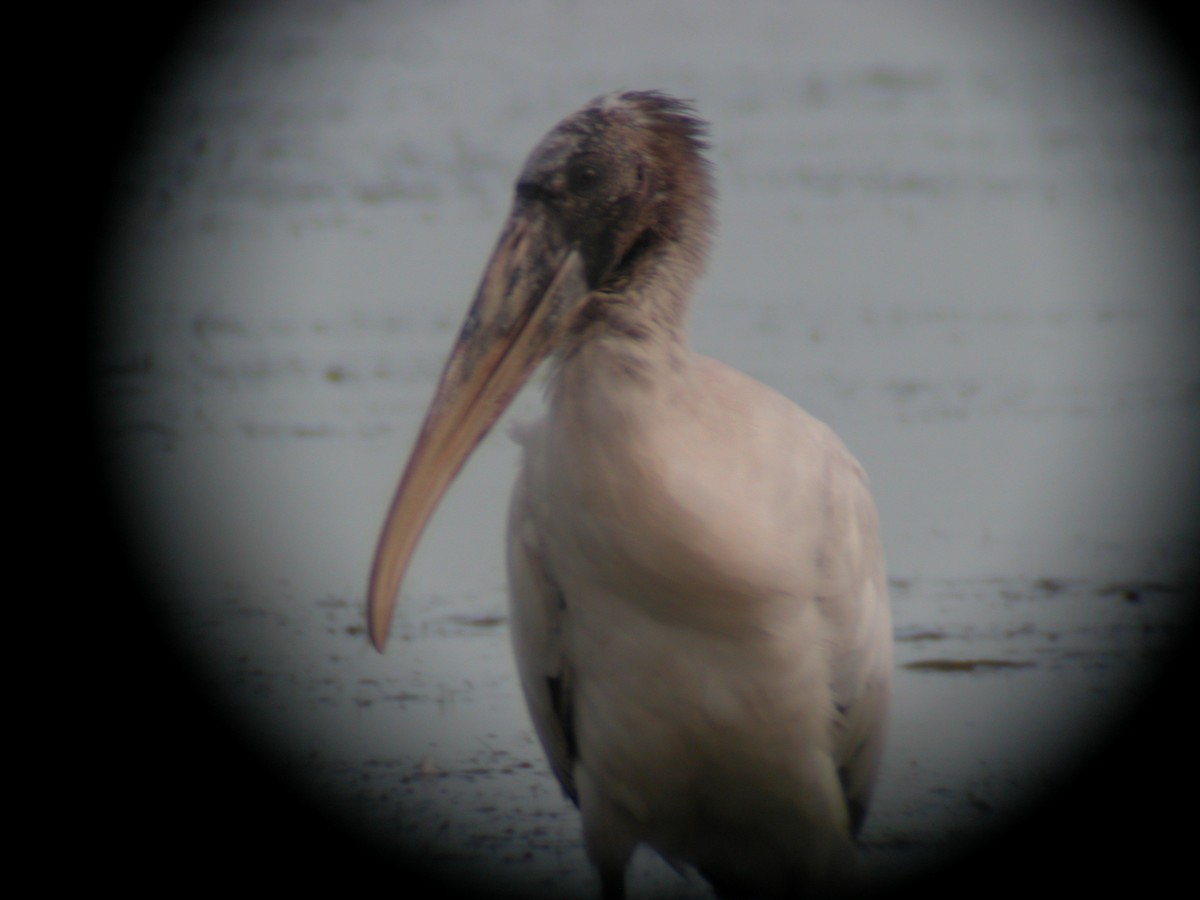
863 711
862 673
537 610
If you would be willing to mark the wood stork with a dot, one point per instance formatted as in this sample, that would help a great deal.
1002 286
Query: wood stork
699 605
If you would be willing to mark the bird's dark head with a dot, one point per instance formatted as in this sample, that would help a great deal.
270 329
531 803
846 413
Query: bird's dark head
624 178
609 228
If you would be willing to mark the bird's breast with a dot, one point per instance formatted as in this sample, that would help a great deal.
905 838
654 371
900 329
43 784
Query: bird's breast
699 486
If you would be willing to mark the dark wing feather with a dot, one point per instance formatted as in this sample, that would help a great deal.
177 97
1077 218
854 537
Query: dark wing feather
538 609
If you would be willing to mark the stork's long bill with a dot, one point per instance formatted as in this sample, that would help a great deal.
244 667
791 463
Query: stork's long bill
531 290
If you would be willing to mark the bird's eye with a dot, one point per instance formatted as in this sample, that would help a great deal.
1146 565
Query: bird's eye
582 177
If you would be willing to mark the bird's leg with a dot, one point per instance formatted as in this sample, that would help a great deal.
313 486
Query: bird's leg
607 834
612 882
